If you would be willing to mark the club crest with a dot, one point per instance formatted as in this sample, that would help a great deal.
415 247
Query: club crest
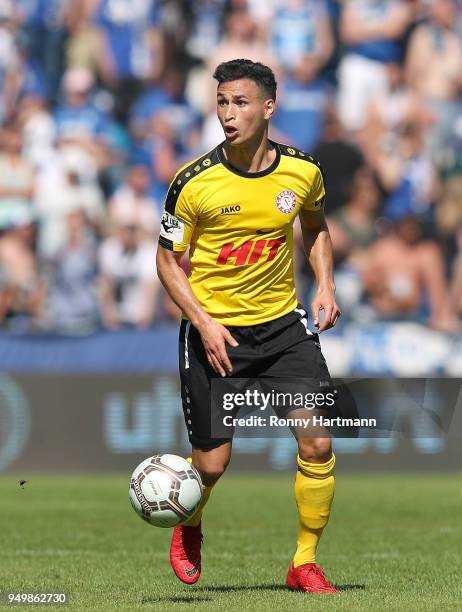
286 201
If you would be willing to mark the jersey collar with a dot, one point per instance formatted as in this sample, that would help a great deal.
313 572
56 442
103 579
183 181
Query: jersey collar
231 168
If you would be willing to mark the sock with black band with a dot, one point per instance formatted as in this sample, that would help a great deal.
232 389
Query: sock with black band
314 492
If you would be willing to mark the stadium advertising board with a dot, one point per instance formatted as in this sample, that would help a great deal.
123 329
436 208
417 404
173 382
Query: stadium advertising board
99 423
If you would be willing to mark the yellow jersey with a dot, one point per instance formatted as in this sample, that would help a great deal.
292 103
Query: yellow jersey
238 227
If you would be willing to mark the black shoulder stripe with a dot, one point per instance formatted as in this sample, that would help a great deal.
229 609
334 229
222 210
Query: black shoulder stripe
299 154
167 244
200 165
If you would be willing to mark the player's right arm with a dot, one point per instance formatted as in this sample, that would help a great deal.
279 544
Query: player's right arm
177 227
214 335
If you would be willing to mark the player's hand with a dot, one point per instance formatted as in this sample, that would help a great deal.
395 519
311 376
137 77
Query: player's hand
325 301
214 338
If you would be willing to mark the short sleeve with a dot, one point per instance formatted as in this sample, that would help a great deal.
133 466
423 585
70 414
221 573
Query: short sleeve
179 217
317 194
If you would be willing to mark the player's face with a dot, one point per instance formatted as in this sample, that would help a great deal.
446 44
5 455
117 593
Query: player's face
243 110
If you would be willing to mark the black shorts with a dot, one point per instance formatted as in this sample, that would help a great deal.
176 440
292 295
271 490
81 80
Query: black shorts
283 348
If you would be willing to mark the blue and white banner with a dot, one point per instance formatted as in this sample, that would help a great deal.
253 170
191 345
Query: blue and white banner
398 349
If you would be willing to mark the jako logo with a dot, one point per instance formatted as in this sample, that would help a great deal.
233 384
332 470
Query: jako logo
229 210
250 252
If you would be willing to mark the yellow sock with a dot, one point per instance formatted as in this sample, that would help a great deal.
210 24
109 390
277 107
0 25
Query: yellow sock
314 492
196 518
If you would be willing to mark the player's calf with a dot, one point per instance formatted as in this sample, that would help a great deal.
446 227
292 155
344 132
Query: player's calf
185 548
211 464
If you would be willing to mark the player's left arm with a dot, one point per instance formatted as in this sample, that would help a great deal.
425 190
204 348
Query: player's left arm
318 250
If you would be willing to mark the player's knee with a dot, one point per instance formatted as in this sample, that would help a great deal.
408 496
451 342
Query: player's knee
212 468
316 450
211 473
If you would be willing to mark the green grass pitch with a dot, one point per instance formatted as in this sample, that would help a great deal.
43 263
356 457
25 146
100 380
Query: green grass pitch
394 542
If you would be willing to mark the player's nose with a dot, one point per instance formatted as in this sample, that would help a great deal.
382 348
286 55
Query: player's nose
230 112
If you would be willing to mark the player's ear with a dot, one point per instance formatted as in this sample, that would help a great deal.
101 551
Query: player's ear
269 108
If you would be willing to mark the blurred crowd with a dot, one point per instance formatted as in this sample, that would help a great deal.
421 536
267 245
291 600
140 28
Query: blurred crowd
101 101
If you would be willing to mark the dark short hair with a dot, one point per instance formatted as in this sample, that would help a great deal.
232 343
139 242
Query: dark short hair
246 69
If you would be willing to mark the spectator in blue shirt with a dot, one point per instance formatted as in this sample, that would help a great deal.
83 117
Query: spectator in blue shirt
149 102
204 36
170 129
44 34
129 27
302 41
301 30
73 297
373 32
77 118
134 47
300 110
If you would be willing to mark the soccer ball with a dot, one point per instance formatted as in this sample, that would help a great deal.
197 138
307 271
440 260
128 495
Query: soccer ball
165 490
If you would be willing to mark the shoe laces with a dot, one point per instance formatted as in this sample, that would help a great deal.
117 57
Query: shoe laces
315 574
